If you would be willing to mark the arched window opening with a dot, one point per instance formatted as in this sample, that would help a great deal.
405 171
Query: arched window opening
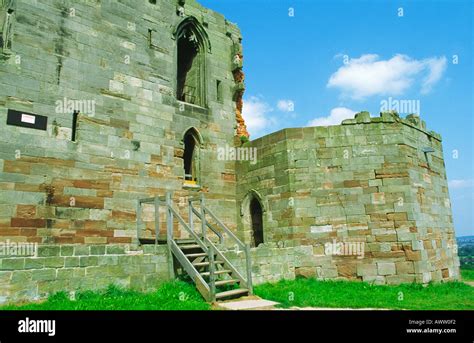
192 43
257 222
189 69
191 158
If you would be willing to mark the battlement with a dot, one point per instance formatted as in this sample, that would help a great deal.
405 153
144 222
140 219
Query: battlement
412 120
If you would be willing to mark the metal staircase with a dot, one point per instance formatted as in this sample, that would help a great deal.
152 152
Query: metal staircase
200 255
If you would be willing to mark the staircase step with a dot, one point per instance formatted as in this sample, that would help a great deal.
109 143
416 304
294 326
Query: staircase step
203 264
226 282
185 240
199 254
234 292
189 246
217 272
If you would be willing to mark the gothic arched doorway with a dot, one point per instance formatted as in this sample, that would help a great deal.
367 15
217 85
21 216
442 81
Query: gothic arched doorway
256 213
191 157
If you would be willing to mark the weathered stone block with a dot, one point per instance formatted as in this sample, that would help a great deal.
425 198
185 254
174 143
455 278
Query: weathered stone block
81 250
97 250
413 255
306 272
53 262
422 267
404 268
115 250
67 250
71 262
47 251
417 245
34 263
86 261
366 269
386 268
43 274
14 263
398 279
21 276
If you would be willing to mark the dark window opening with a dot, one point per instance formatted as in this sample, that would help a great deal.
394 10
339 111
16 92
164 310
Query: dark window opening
74 125
190 159
152 43
190 69
219 90
150 37
6 30
257 222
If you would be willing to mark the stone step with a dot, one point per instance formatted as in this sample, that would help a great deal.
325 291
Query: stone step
247 304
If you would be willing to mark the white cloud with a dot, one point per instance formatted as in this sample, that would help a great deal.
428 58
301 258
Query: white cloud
436 66
460 183
256 114
336 116
286 105
368 75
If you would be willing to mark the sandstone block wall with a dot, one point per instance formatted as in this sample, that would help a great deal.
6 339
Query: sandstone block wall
269 263
79 267
55 190
76 267
367 182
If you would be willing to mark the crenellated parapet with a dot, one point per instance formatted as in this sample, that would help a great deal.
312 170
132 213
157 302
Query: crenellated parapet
412 120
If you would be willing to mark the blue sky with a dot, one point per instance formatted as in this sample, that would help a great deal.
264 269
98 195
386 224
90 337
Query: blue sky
333 58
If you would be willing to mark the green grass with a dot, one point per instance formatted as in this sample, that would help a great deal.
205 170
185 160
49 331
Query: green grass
179 295
467 274
344 294
175 295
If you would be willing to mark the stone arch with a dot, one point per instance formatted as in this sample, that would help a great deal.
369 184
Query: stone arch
196 132
192 44
195 26
253 212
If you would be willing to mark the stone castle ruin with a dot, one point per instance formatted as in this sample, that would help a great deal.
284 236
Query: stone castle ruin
112 118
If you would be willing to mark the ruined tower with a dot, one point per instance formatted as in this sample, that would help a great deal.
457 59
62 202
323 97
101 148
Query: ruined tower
104 103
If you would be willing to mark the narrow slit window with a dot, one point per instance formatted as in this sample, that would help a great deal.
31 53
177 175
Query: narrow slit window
152 43
219 90
75 115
